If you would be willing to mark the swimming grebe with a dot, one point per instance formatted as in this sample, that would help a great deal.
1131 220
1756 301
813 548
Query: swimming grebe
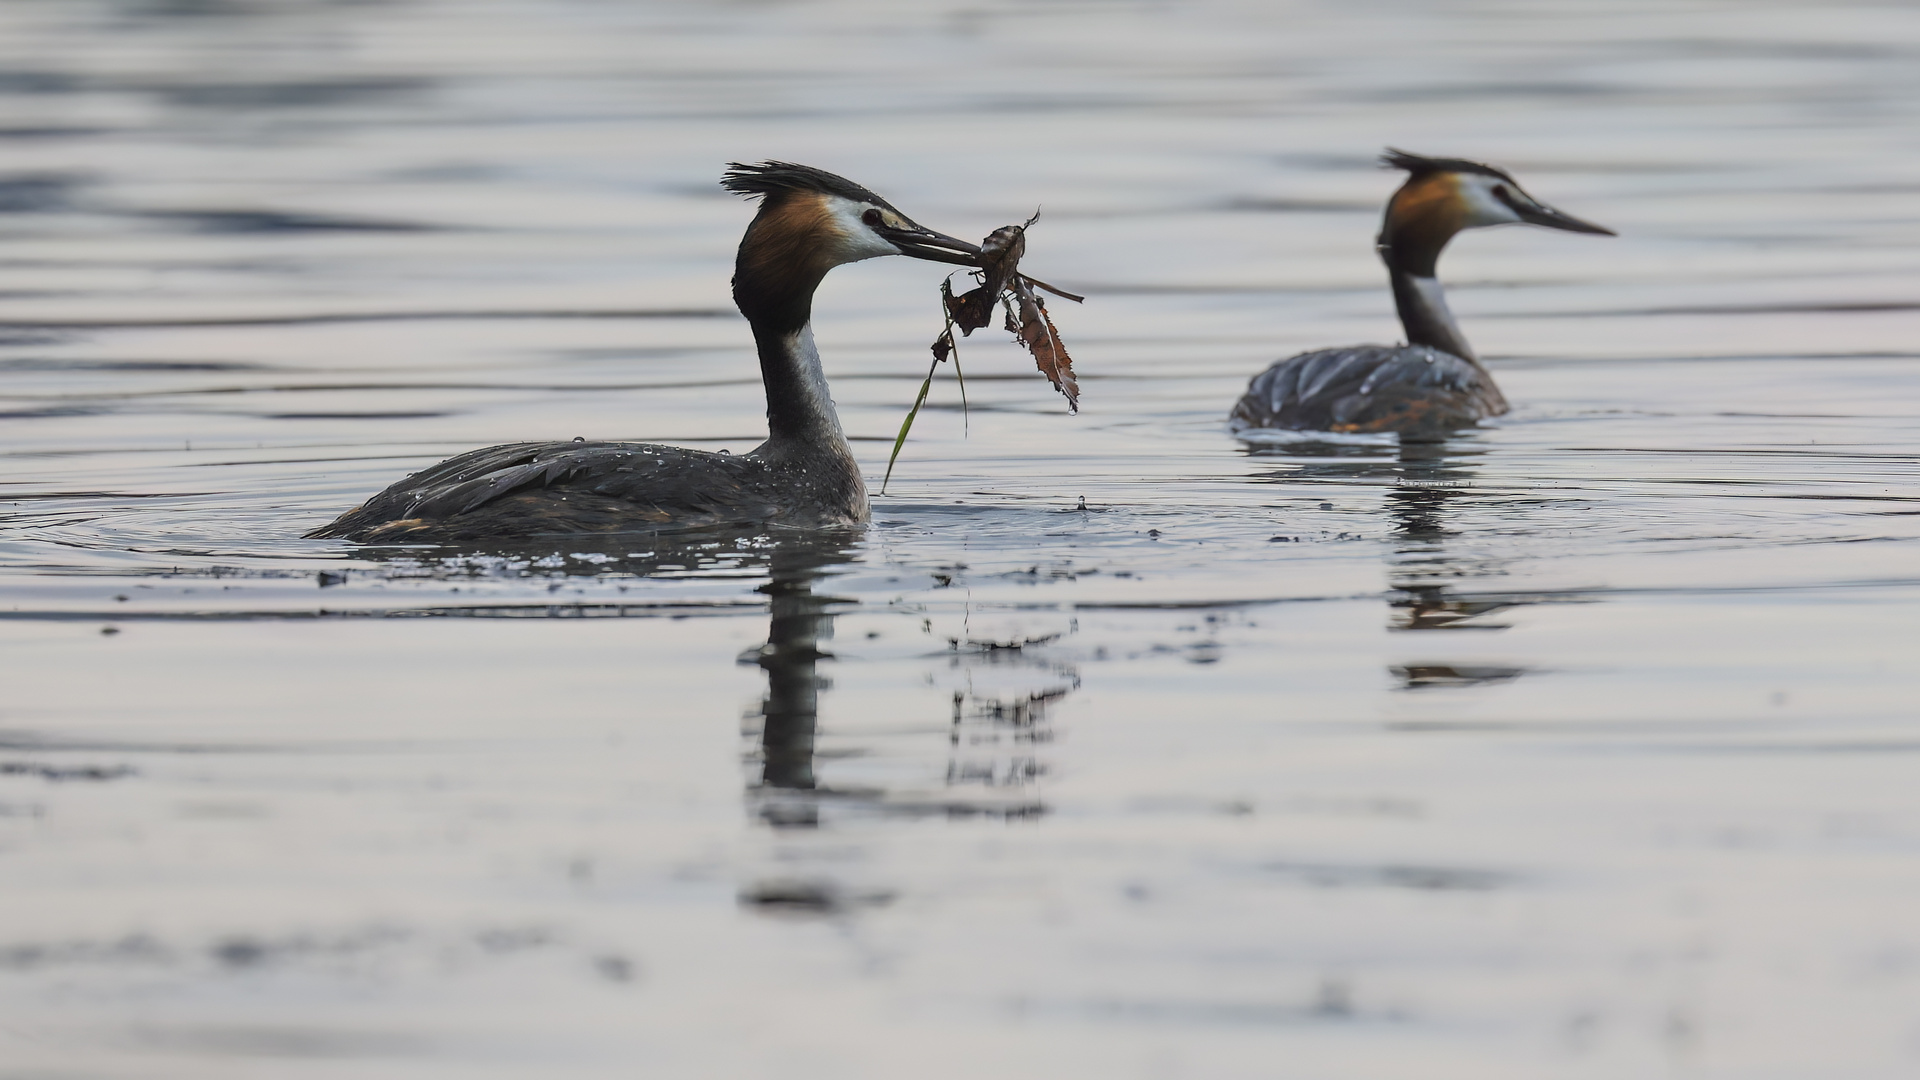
809 222
1433 384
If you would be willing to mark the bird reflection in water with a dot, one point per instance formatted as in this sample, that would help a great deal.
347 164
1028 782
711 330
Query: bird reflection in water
1433 568
1000 701
799 620
1423 571
985 762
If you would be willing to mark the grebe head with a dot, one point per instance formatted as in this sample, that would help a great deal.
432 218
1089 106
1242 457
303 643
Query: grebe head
811 221
1443 196
835 219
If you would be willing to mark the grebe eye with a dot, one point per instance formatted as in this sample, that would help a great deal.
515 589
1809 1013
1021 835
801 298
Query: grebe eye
872 217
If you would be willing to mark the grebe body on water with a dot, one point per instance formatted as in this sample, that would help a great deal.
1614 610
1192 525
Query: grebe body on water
1434 383
804 475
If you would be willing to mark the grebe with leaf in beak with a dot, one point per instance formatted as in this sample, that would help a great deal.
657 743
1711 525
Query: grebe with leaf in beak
804 475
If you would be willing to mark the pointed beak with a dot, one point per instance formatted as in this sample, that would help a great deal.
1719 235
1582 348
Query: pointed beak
924 243
1538 213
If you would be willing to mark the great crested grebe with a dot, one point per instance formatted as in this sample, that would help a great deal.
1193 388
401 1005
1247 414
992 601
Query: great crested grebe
1433 384
804 475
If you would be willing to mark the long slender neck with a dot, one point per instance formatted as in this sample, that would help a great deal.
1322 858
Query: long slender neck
1410 243
781 263
774 278
1424 315
799 406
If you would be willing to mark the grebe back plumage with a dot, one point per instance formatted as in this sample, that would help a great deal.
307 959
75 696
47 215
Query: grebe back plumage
809 221
1434 383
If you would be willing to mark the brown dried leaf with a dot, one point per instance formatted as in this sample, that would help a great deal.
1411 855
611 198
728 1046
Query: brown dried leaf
1000 255
1002 282
1037 333
970 311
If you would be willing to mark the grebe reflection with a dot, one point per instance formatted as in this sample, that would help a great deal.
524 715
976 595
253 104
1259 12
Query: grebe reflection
999 695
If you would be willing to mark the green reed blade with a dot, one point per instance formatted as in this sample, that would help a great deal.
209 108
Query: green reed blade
907 425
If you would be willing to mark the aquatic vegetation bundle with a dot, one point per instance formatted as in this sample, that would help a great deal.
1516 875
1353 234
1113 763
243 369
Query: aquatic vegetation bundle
1000 283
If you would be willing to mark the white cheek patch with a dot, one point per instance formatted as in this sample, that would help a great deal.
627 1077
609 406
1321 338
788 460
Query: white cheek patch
856 240
1483 206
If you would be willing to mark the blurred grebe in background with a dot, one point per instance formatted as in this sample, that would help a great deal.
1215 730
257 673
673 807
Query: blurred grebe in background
1433 384
809 222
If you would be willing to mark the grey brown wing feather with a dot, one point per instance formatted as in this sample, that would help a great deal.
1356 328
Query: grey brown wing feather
538 488
1411 389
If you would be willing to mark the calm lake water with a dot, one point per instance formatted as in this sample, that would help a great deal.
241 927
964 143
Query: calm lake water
1584 745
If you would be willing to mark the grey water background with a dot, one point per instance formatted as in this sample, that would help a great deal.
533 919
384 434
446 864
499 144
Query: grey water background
1584 745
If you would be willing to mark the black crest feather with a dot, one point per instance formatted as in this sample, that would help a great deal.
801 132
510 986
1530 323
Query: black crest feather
1418 165
772 179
